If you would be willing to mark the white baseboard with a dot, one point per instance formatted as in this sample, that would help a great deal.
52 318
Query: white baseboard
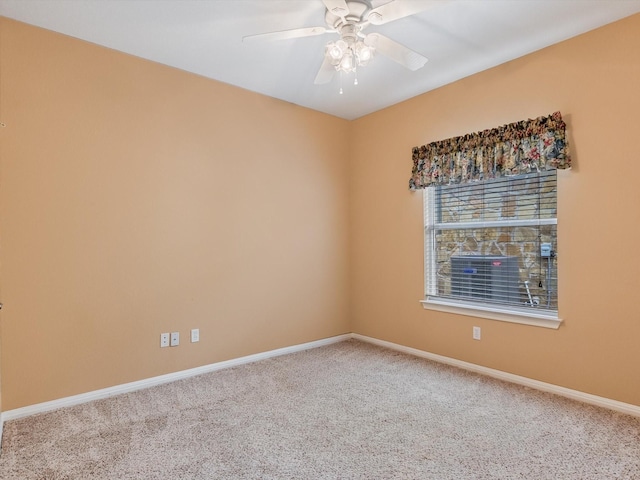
151 382
622 407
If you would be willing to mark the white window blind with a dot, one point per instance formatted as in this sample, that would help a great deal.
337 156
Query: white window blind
493 243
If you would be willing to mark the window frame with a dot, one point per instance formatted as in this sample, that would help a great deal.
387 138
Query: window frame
507 313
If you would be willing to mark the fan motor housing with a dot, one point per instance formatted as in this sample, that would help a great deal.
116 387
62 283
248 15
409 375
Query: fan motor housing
357 13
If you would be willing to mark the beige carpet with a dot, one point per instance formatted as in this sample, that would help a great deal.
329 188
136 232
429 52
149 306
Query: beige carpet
344 411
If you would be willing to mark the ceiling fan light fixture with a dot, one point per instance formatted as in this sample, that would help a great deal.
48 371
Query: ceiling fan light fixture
349 18
346 57
364 53
348 61
334 52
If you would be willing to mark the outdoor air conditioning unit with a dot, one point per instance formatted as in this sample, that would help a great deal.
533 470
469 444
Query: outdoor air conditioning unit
485 277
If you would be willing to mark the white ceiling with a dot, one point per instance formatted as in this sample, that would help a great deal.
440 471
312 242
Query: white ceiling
460 38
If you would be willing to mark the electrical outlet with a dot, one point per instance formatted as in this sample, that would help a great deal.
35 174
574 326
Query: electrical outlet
164 340
195 335
175 339
476 333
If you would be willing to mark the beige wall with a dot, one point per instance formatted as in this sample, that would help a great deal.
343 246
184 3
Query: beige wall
138 199
594 81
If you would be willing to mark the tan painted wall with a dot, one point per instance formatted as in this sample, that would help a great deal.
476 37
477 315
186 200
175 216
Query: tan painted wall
594 80
138 199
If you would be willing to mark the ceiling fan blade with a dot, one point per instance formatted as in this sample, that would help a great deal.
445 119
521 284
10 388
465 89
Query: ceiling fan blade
326 72
397 9
287 34
338 7
395 51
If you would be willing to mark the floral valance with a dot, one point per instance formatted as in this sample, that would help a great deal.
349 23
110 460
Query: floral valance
513 149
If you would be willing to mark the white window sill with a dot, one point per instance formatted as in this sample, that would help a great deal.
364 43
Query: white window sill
535 318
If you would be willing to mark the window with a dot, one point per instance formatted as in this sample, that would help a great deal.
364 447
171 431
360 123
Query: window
490 246
491 221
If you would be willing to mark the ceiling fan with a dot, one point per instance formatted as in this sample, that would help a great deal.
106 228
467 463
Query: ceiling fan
349 18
